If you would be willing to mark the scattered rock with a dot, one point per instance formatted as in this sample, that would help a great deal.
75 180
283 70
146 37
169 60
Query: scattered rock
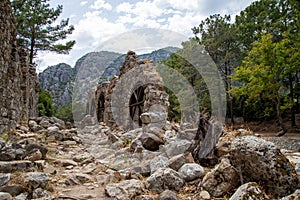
151 141
125 190
18 165
5 196
41 193
168 195
221 180
177 161
164 178
13 190
36 179
177 146
145 197
158 162
294 196
34 155
203 195
191 171
261 161
4 178
33 147
249 190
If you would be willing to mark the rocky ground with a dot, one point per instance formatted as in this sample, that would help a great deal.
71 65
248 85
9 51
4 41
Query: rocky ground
48 159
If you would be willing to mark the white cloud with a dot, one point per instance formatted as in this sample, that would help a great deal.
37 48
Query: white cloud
124 7
190 5
99 4
82 3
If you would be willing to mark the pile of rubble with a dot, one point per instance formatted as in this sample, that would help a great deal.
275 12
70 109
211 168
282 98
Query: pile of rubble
49 159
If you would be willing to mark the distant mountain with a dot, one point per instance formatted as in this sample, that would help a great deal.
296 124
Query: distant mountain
61 80
57 80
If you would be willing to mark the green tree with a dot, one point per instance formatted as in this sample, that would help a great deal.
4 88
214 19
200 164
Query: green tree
45 104
217 34
64 113
36 29
263 72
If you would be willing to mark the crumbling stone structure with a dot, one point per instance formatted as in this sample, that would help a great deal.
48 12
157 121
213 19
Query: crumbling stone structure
18 79
134 99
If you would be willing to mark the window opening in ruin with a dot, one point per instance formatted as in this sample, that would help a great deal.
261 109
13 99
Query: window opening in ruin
136 105
100 110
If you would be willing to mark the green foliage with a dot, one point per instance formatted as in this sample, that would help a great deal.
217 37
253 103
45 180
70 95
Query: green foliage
64 113
177 62
35 19
45 104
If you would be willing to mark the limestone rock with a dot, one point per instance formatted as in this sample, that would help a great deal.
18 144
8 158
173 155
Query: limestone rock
145 197
177 161
5 196
125 190
36 179
40 193
158 162
261 161
164 178
177 146
222 179
151 141
13 190
4 178
294 196
191 171
203 195
249 190
168 195
30 148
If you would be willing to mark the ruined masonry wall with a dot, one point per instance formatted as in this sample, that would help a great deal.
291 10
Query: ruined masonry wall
18 79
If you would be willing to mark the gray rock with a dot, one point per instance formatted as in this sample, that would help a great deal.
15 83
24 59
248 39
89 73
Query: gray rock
191 171
7 154
41 193
249 190
294 196
13 190
177 146
164 178
203 195
152 117
221 180
36 128
177 161
34 155
261 161
150 141
22 196
158 162
2 143
188 134
145 197
168 195
12 166
61 124
45 123
32 123
33 147
4 178
5 196
297 168
125 190
36 179
55 132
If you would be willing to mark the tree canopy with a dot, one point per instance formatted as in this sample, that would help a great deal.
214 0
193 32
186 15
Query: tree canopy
37 27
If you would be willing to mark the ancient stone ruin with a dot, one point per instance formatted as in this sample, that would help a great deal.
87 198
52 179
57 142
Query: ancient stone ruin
18 79
134 99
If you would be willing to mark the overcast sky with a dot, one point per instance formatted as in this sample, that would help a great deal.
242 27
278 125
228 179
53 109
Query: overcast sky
99 21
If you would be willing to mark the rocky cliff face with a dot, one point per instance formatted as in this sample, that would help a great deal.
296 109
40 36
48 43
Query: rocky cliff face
18 79
58 81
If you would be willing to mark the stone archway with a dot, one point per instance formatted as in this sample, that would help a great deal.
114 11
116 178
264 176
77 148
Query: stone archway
136 104
100 108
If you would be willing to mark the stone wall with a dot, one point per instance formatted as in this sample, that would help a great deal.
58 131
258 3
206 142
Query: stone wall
137 91
18 79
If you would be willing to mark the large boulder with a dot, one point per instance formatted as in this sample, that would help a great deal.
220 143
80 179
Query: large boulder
36 179
177 146
125 190
221 180
262 162
249 190
164 178
158 162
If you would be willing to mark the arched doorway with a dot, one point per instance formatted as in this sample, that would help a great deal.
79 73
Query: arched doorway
100 110
136 104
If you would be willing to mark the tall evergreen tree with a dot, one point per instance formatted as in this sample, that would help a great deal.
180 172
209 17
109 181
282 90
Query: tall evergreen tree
36 29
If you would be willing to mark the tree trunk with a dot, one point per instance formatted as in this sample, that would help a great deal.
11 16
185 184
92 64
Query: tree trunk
293 118
279 116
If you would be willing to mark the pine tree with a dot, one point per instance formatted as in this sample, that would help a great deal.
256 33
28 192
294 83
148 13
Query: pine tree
35 19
